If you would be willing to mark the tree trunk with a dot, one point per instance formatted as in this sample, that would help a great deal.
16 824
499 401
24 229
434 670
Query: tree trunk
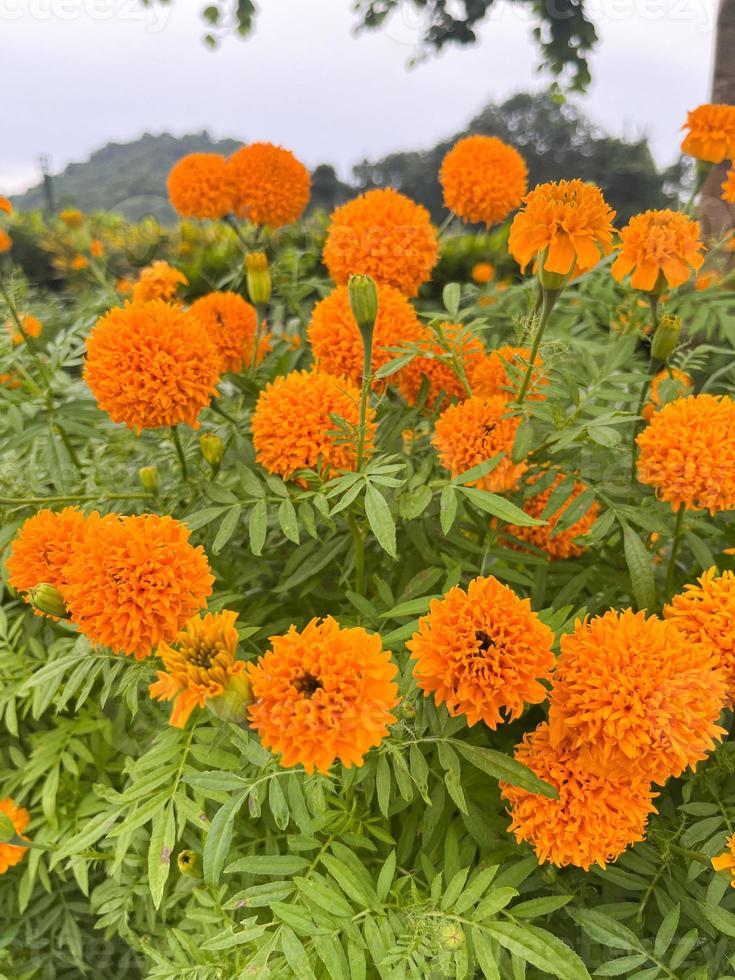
717 217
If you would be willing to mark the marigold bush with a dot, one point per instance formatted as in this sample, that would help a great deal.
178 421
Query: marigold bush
425 677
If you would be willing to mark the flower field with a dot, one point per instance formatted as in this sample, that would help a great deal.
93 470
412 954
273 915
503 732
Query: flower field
368 597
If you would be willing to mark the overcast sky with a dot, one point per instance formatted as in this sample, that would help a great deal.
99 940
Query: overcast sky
75 74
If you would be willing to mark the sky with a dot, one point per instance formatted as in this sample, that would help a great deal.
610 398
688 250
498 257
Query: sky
75 74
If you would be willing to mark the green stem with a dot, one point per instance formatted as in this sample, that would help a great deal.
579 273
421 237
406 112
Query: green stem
549 300
359 542
179 451
367 380
256 339
69 448
653 300
445 224
30 344
230 220
675 546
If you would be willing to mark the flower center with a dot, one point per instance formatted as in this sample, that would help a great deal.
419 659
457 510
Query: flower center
308 685
199 653
485 642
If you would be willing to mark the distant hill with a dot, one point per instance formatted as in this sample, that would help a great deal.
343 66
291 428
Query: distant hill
129 178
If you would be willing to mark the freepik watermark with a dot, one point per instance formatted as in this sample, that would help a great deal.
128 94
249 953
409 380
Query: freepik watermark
154 15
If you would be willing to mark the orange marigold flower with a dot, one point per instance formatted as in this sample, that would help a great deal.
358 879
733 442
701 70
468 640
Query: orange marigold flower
336 341
482 652
483 272
12 854
728 186
706 280
32 327
385 235
133 582
434 365
711 133
71 217
43 548
658 247
231 323
667 385
323 694
687 452
6 242
124 285
151 365
200 186
296 424
271 186
631 694
595 818
705 614
474 431
556 544
201 666
10 379
489 375
96 248
568 224
726 860
79 263
483 179
5 205
159 280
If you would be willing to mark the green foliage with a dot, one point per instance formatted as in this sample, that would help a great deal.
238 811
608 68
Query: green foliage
402 868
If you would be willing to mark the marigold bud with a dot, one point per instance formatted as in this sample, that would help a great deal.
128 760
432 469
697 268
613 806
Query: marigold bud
49 600
232 705
258 278
150 478
363 294
551 282
212 447
190 864
666 337
451 937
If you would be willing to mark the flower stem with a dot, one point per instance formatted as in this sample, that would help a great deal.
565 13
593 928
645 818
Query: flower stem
179 451
359 542
367 380
653 300
256 339
549 300
675 546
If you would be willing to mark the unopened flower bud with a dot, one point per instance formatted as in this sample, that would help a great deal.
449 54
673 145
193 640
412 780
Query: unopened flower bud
232 705
666 337
150 478
212 447
258 278
47 599
363 294
190 864
407 711
451 937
